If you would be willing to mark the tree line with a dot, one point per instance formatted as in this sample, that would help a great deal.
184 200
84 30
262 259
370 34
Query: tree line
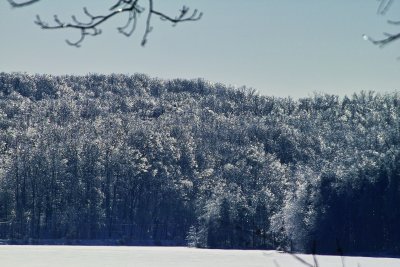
139 159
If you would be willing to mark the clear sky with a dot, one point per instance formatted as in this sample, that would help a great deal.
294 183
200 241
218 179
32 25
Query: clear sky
279 47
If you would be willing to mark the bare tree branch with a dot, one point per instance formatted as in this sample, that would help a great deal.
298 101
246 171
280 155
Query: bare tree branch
304 262
383 7
382 42
22 4
129 7
148 26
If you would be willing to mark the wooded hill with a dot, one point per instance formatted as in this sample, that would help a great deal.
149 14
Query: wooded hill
133 158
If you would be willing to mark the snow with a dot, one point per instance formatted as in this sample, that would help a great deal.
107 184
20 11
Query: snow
63 256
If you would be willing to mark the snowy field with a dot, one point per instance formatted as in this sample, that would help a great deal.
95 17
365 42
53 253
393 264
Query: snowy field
62 256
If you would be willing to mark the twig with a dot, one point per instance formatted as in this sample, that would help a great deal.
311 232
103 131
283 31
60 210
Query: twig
382 42
26 3
384 6
130 7
301 260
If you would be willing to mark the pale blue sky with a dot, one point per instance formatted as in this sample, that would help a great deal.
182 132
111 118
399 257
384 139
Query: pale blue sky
279 47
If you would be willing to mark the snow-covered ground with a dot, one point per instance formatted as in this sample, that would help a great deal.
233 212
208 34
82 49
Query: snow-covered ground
62 256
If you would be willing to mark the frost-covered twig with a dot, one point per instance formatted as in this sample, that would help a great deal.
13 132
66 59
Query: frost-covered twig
131 8
384 6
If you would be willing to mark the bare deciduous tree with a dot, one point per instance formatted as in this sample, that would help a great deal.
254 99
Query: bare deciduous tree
131 8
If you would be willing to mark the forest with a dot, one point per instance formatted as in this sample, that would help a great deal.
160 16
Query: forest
189 162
